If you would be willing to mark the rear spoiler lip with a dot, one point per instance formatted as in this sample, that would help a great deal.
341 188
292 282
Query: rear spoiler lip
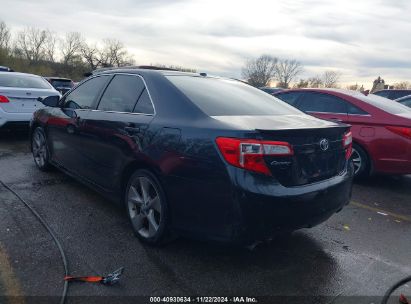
340 125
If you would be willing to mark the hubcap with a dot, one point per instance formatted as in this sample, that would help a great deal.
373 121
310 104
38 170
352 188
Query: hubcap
357 160
39 149
144 207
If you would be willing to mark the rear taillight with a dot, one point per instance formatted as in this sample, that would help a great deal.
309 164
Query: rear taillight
4 99
347 144
403 131
249 153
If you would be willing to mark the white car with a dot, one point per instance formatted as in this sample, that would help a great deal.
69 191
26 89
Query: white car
18 96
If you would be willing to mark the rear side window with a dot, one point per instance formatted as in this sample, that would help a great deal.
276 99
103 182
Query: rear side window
23 81
84 96
355 110
290 98
221 97
121 94
144 104
323 103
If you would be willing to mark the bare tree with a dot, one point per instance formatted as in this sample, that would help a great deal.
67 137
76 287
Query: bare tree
331 79
353 87
31 43
91 55
5 36
258 72
315 82
114 54
403 85
301 84
286 70
50 46
71 46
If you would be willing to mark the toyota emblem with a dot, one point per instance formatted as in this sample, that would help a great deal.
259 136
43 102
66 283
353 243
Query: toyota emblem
324 144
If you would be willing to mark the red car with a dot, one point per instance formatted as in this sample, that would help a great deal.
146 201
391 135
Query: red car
381 127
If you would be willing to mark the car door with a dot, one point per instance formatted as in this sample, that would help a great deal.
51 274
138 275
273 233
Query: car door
66 125
116 128
324 106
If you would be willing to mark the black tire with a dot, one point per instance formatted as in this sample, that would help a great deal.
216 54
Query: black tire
148 213
361 162
40 149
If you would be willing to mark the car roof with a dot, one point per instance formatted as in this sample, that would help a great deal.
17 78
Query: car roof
327 90
142 71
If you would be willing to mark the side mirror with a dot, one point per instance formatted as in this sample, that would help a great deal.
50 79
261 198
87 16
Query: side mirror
50 101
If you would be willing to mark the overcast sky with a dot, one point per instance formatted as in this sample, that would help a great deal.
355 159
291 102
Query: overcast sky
360 38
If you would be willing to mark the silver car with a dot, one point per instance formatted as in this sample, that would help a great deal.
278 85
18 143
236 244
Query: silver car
18 96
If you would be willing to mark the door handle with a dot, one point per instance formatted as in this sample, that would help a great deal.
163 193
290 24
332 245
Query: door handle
132 130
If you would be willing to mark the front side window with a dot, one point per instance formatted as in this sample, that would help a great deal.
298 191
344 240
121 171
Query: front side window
121 94
84 96
322 103
221 97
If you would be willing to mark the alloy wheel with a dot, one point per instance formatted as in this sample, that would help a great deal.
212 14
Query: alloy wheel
144 207
39 146
357 161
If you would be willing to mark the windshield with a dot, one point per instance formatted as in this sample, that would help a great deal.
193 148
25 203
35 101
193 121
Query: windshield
222 97
385 104
23 81
406 102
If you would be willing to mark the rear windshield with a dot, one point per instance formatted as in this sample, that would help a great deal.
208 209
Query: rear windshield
385 104
61 83
222 97
23 81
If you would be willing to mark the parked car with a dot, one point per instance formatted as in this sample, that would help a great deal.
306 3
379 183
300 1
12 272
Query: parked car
393 94
381 127
270 90
406 100
18 97
200 156
63 85
5 69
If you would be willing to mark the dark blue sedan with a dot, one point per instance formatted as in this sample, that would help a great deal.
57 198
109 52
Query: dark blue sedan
194 155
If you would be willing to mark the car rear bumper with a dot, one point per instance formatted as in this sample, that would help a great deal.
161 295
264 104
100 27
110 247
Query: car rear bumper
265 209
245 206
10 118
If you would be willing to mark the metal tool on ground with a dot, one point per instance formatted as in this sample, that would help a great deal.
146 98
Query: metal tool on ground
110 279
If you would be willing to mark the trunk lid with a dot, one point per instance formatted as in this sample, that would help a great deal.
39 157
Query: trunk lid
319 154
318 148
24 100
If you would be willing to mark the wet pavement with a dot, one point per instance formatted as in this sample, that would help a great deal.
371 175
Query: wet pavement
352 258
